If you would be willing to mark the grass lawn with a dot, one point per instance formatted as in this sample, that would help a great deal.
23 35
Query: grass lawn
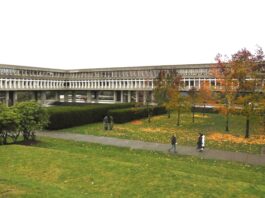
161 129
58 168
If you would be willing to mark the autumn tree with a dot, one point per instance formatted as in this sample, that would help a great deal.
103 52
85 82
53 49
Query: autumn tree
223 74
193 98
205 94
246 71
177 101
163 84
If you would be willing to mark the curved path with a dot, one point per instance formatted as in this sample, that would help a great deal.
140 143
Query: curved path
182 150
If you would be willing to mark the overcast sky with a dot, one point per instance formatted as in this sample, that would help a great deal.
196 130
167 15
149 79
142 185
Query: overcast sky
72 34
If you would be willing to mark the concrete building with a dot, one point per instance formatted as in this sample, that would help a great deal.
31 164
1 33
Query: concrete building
108 85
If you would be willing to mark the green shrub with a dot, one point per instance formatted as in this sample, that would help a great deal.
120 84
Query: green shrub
70 116
129 114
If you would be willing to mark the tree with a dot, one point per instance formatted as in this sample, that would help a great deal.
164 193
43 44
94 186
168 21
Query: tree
246 71
163 83
225 86
33 117
9 124
177 101
193 98
205 94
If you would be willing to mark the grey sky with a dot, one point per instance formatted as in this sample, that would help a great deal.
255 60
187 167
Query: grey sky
103 33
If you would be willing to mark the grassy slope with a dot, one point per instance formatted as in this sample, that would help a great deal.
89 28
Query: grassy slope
57 168
161 129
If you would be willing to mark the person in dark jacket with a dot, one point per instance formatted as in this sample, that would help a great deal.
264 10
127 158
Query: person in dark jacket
200 142
173 144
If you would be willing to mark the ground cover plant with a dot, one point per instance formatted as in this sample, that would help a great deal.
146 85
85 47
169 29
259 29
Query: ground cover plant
161 128
59 168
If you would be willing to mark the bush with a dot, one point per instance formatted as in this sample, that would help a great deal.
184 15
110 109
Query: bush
129 114
70 116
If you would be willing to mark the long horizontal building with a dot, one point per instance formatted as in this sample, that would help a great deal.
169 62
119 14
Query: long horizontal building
107 85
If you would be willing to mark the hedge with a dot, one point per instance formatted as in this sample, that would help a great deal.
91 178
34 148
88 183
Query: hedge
129 114
69 116
205 110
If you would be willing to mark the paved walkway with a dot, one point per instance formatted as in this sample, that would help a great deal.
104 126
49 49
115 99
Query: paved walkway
181 150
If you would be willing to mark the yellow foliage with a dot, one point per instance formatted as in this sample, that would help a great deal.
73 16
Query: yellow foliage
254 139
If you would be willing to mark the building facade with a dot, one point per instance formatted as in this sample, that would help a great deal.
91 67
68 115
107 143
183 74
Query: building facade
108 85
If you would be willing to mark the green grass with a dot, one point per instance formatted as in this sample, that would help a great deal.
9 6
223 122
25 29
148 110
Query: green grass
58 168
161 129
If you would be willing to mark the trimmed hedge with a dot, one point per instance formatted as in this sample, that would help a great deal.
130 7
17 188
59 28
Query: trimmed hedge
206 110
70 116
129 114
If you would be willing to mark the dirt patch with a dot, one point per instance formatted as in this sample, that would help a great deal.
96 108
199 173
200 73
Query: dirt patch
219 137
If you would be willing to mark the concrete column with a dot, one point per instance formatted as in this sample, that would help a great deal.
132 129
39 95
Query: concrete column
129 96
121 96
137 96
57 96
145 97
65 96
14 98
7 98
115 96
73 96
43 97
96 96
88 96
152 97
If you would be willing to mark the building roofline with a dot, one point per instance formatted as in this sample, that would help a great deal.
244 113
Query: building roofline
127 68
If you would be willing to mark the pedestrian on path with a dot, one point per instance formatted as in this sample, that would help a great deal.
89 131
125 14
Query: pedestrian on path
201 142
111 122
173 144
105 122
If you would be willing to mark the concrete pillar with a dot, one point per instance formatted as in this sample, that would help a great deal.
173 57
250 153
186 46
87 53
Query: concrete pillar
57 96
115 96
7 98
88 96
65 96
97 94
14 98
152 97
121 96
43 97
145 97
129 96
137 96
73 96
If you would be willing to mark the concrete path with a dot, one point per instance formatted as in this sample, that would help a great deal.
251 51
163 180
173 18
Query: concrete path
181 150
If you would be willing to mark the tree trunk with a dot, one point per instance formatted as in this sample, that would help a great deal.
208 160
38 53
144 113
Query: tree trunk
247 127
168 114
178 117
227 122
203 111
193 116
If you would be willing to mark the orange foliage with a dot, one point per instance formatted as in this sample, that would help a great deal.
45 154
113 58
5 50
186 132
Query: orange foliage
136 122
219 137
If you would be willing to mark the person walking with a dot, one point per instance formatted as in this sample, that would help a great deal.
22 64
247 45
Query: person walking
111 122
173 144
105 122
201 142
